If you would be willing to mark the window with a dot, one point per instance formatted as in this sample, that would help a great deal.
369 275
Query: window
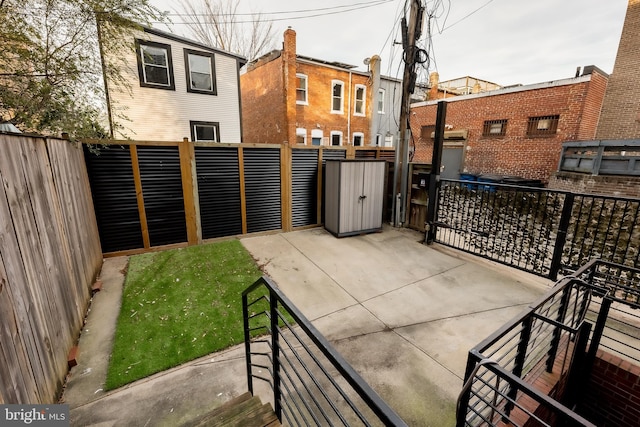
155 67
200 71
426 131
316 137
542 126
494 128
381 94
336 137
358 139
301 136
205 131
378 140
360 104
337 93
301 89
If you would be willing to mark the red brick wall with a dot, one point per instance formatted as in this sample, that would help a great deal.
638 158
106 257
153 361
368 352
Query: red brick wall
621 109
612 397
270 113
577 104
263 112
607 185
317 115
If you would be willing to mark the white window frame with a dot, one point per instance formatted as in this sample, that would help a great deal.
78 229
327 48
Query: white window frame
188 53
303 77
335 83
388 141
214 125
338 134
141 45
360 104
303 133
381 103
379 142
316 134
358 134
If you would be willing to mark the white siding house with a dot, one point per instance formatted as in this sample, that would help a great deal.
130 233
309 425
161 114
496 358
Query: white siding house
178 89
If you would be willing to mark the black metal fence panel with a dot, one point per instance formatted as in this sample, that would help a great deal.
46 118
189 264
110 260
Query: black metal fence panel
163 197
114 197
304 187
541 231
263 189
218 176
603 227
511 225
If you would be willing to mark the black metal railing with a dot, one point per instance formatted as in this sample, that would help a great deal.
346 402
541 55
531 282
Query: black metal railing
541 231
538 365
311 383
506 364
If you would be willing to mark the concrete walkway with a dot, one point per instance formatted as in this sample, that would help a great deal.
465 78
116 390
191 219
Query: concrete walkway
403 314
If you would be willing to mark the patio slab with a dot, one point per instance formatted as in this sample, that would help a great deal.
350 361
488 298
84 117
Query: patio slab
403 314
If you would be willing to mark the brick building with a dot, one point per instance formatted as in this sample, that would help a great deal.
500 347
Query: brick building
288 98
516 131
618 133
620 118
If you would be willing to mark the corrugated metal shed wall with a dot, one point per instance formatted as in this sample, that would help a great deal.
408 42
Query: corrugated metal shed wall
219 191
304 187
162 191
114 197
262 189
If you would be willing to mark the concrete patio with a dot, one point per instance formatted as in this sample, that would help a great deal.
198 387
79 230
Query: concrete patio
403 314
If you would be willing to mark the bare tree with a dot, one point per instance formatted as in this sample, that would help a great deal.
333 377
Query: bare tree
218 23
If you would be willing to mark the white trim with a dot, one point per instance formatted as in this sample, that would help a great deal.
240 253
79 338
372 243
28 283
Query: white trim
358 134
306 89
335 133
381 100
363 100
315 134
303 133
333 84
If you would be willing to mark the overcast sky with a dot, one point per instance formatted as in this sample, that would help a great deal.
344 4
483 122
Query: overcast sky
502 41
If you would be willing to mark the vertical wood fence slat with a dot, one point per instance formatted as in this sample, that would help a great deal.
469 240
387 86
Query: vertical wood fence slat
44 288
243 193
285 186
187 159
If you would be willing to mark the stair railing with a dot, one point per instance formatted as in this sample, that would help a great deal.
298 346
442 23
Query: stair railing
312 383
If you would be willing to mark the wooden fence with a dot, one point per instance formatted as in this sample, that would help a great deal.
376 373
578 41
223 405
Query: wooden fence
49 256
155 195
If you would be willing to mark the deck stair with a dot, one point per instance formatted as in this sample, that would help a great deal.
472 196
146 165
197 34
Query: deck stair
243 411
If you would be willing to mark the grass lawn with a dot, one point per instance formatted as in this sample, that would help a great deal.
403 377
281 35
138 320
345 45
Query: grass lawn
178 305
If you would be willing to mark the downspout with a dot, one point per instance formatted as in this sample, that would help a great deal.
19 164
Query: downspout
349 112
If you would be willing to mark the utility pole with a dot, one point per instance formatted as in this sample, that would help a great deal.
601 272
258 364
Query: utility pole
410 33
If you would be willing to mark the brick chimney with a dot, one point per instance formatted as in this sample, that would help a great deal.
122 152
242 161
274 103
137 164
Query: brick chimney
434 79
290 84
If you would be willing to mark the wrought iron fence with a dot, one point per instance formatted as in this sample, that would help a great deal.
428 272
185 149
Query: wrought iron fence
312 384
541 231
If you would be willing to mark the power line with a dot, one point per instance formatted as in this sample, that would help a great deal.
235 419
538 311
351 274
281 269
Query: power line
351 8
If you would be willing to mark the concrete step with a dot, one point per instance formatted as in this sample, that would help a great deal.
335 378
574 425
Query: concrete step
243 411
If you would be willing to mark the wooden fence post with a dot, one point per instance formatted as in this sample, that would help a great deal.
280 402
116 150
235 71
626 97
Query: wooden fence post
189 191
286 166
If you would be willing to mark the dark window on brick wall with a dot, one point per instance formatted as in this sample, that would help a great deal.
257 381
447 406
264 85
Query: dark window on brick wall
542 126
495 127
